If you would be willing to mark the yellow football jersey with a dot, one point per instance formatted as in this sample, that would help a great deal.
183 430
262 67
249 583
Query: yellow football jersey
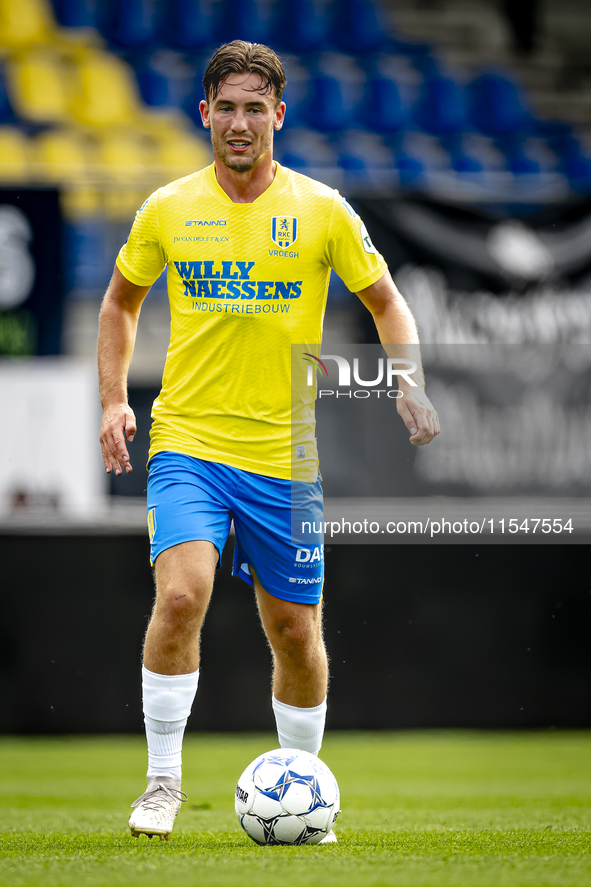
246 282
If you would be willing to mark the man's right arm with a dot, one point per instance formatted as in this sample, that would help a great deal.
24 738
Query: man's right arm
119 316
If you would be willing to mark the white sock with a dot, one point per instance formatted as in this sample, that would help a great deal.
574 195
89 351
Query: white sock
167 705
301 728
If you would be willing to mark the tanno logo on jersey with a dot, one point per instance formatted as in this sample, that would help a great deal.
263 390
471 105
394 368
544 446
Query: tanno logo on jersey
206 222
284 231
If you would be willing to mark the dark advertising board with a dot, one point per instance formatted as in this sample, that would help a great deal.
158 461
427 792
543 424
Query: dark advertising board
31 279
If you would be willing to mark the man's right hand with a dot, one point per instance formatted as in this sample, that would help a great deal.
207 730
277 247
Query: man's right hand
117 427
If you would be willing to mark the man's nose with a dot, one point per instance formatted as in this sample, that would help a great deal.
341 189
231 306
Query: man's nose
239 123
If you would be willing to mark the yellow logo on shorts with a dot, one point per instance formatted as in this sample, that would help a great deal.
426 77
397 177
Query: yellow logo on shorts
151 524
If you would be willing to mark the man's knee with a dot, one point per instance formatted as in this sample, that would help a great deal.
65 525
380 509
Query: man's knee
182 601
297 638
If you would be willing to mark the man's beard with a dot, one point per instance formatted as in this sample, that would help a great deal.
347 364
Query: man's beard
236 163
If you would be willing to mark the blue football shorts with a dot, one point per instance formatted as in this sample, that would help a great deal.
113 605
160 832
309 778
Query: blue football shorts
191 499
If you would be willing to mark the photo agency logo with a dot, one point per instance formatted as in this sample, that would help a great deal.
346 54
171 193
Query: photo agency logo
387 372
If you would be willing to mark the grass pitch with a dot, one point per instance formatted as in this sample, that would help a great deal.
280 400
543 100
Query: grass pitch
421 808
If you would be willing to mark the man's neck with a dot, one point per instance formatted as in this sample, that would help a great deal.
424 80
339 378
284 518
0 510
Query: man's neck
245 187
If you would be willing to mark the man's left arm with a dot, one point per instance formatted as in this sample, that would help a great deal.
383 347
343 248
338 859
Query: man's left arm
398 334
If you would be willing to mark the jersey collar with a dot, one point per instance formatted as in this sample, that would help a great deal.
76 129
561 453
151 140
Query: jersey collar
281 174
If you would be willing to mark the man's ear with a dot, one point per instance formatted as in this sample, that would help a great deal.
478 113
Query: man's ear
204 110
279 115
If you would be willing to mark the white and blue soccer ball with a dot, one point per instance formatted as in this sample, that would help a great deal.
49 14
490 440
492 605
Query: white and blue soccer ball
287 796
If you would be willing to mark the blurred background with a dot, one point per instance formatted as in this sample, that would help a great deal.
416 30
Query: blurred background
461 132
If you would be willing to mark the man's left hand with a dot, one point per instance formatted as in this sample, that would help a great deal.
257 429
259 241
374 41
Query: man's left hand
418 415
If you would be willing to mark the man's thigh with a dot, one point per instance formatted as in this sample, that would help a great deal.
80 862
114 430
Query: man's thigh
187 502
185 570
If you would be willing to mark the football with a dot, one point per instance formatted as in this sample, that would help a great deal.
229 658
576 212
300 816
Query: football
287 796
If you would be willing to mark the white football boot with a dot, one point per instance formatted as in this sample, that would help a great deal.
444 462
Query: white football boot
331 838
155 811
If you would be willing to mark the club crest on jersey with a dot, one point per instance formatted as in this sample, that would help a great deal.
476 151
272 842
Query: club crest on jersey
284 231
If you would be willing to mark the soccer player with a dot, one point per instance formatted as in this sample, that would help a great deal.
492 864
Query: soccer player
248 246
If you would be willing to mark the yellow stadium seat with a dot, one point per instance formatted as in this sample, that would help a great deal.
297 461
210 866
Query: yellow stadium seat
182 152
14 155
125 156
62 156
106 93
39 86
25 22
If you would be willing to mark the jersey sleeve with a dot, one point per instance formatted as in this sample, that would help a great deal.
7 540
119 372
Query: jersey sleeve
141 260
349 250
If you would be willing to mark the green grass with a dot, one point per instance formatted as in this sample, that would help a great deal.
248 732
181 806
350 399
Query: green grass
422 808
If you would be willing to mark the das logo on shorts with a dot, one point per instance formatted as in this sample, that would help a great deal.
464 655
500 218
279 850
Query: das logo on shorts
284 231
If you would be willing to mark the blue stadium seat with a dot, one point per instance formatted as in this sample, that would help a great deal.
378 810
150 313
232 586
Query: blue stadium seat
75 13
302 149
301 26
187 24
411 169
128 24
244 20
519 160
358 26
296 95
574 162
330 108
364 157
385 108
85 247
336 93
465 163
496 106
6 112
165 78
441 108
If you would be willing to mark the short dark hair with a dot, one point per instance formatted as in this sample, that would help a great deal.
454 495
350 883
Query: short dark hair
240 57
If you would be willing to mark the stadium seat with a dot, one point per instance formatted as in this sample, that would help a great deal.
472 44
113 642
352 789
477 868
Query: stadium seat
125 155
62 156
441 108
86 247
386 107
128 24
419 155
301 26
302 149
14 155
358 26
365 158
24 23
296 94
75 13
574 161
518 154
39 86
6 112
336 94
496 106
244 20
182 153
187 24
105 91
166 78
